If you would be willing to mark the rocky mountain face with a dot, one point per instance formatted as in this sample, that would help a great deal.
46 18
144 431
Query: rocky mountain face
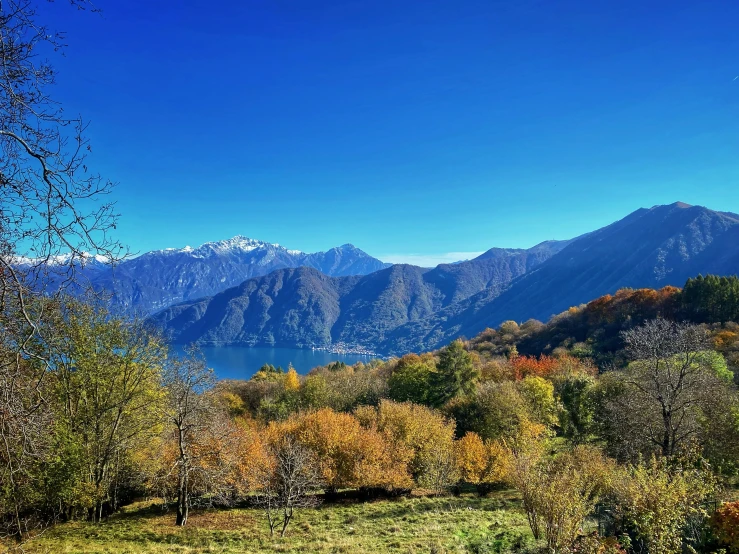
155 280
303 307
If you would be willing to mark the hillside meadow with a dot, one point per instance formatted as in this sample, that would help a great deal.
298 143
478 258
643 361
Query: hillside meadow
412 524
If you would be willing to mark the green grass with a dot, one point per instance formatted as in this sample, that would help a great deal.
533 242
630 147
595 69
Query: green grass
417 524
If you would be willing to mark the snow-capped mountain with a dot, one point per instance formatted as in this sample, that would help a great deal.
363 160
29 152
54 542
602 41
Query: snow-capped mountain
160 278
233 246
83 259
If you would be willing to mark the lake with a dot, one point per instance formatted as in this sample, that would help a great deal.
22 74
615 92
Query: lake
237 362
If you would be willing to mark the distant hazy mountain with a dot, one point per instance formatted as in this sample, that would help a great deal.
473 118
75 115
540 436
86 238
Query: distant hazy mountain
302 307
652 248
161 278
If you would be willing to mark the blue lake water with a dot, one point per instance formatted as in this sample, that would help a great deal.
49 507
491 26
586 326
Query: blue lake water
236 362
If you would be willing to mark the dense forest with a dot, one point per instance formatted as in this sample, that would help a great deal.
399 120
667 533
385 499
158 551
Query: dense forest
627 404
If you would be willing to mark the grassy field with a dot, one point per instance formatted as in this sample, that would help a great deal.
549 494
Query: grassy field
416 524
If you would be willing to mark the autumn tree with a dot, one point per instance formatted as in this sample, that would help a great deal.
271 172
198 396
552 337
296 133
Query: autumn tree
106 376
656 498
472 458
725 525
516 460
421 435
565 492
349 455
494 410
292 381
198 461
525 366
343 388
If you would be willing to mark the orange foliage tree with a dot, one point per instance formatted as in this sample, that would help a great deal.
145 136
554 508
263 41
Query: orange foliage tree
419 434
348 454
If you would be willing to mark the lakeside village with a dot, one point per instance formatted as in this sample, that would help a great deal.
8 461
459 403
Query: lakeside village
343 348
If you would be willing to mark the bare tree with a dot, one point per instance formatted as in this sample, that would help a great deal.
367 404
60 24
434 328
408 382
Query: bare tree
662 392
440 470
52 209
202 441
187 380
288 480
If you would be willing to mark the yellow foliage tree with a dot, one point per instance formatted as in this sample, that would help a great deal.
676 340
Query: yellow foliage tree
472 458
292 381
658 498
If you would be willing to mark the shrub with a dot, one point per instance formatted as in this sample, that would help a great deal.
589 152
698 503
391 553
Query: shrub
725 523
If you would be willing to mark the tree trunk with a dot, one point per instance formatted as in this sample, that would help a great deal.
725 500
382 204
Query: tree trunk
183 503
182 512
666 437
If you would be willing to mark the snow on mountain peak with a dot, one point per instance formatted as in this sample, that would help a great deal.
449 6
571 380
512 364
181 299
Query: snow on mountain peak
80 258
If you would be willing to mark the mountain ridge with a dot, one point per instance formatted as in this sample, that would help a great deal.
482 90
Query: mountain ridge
663 245
154 280
359 310
405 308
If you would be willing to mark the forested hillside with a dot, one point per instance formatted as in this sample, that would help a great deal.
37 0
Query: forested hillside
564 424
664 245
593 330
410 309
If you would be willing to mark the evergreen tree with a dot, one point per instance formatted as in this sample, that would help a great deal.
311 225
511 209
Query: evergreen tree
455 374
711 299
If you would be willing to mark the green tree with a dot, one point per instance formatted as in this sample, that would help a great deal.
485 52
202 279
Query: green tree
410 381
455 374
268 372
493 411
107 374
577 407
539 396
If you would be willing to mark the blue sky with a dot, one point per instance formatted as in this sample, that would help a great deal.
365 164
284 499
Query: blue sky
416 130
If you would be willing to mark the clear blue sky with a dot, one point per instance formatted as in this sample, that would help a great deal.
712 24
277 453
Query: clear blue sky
403 127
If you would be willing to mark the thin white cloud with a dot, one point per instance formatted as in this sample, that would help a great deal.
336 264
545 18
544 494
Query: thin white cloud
428 260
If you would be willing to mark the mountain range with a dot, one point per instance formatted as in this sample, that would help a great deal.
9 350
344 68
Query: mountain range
160 278
303 307
405 308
